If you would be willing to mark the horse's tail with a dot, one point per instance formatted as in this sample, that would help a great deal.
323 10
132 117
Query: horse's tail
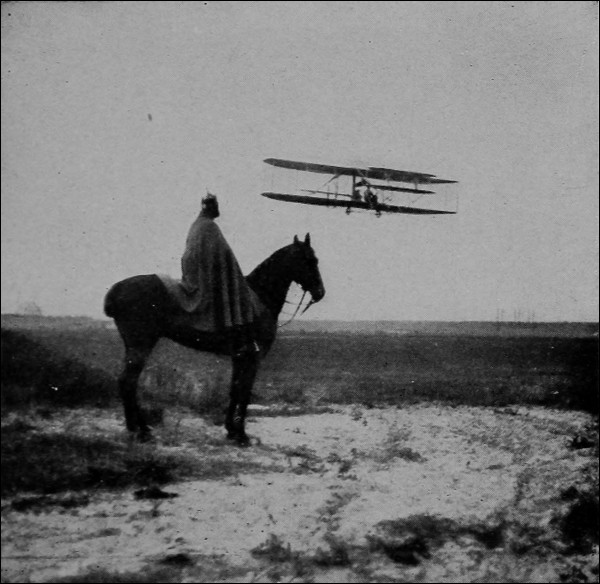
109 303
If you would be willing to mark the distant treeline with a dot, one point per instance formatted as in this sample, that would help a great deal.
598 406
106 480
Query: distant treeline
466 328
29 321
399 327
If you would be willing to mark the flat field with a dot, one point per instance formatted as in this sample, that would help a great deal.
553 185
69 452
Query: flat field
408 452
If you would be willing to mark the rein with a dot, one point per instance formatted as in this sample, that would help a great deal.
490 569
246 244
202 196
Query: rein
310 303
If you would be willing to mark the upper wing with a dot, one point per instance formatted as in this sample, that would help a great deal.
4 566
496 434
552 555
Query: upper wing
405 176
313 167
387 174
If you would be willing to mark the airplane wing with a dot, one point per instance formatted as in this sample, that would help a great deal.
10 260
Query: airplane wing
401 189
386 174
390 174
323 202
312 167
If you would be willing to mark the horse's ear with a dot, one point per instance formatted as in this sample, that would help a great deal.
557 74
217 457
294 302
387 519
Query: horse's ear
296 239
307 239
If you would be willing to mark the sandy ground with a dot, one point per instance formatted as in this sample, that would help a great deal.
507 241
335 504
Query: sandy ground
317 509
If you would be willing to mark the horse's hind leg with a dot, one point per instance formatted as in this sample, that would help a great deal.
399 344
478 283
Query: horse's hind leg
244 370
135 359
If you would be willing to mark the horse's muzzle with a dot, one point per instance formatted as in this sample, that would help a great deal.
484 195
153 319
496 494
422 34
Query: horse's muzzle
317 294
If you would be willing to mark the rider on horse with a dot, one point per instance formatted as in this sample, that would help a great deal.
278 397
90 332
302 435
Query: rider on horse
215 284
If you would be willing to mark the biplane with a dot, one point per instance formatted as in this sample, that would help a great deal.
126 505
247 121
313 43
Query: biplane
371 188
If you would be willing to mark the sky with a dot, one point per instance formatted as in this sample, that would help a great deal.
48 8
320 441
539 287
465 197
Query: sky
118 116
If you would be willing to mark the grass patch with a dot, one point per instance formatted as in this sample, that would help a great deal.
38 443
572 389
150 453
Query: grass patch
289 411
59 462
69 501
206 394
53 461
284 563
151 575
411 539
274 549
337 555
302 459
580 526
381 369
310 370
33 373
394 447
170 569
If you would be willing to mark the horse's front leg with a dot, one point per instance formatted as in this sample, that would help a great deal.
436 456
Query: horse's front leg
244 368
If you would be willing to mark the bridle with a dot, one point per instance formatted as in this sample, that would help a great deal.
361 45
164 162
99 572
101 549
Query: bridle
310 303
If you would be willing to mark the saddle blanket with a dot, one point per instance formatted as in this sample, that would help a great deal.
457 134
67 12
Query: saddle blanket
196 313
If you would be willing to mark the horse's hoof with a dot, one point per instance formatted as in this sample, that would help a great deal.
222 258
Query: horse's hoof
243 441
145 436
240 439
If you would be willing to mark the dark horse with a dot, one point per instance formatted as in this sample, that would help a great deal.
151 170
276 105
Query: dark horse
144 312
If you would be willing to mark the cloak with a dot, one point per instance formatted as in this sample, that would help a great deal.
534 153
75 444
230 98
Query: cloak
213 288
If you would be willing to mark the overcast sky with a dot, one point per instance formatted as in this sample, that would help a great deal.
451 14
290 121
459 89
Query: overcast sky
116 117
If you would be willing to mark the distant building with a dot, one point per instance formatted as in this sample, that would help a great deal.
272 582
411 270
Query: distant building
29 309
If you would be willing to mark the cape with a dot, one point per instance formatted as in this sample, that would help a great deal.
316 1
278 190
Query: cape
213 288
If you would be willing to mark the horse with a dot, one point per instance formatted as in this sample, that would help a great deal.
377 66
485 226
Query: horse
144 312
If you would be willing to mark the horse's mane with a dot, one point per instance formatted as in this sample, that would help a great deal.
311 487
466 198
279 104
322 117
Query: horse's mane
267 264
270 280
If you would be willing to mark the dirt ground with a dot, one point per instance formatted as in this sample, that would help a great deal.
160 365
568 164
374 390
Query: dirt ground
422 493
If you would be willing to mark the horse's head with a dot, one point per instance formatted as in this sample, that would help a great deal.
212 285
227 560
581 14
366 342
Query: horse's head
305 268
297 263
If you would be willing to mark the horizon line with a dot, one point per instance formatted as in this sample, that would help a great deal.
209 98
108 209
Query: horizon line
325 320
